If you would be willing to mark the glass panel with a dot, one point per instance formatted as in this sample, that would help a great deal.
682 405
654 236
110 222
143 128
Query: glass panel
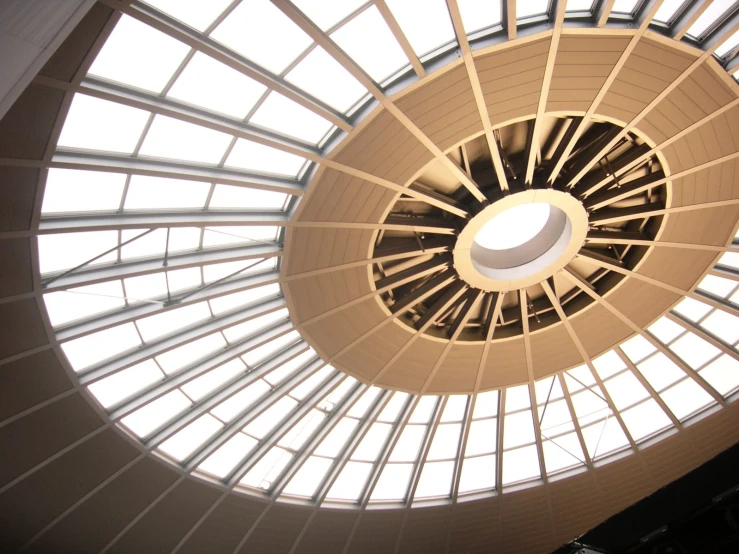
322 76
262 33
299 433
477 474
645 419
692 309
150 193
393 482
371 43
624 6
604 437
482 437
517 398
454 409
562 453
579 6
693 350
224 460
709 17
478 15
555 419
391 411
518 429
486 405
423 410
311 383
290 118
686 398
266 470
667 10
239 402
186 441
660 371
95 124
282 372
625 390
722 374
637 348
372 443
213 272
213 379
333 443
521 464
528 8
425 23
123 384
178 140
608 364
238 299
214 86
435 480
144 420
270 418
195 13
723 325
446 442
256 157
327 13
139 55
250 327
547 389
717 285
83 302
96 347
258 355
365 401
71 190
170 321
666 330
307 478
227 196
190 353
409 444
350 482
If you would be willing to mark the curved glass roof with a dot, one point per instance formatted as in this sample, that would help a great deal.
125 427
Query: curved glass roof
186 147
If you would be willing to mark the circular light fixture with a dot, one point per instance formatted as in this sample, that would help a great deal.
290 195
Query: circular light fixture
513 227
520 240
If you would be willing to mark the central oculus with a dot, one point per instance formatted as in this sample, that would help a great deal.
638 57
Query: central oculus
520 240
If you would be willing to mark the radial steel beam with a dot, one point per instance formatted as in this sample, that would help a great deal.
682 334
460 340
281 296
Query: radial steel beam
134 268
593 182
648 336
178 338
399 35
250 375
642 23
641 239
181 32
207 403
254 410
603 198
641 211
688 17
603 12
712 301
67 159
558 7
428 439
292 419
477 92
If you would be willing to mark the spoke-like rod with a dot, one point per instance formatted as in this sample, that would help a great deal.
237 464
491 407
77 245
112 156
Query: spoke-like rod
482 109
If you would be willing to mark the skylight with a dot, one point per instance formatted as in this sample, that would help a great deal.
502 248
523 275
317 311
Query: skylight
183 335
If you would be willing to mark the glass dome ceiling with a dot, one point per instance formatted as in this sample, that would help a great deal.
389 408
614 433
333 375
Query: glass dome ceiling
185 150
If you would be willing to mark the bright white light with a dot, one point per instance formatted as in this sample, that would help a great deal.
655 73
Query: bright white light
513 227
